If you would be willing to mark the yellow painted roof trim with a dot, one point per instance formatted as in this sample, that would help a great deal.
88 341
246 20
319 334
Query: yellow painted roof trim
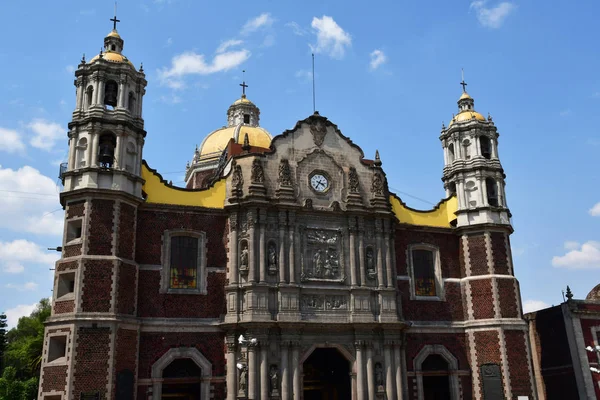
440 216
158 191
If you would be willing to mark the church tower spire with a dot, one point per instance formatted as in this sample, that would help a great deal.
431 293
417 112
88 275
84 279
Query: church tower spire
472 169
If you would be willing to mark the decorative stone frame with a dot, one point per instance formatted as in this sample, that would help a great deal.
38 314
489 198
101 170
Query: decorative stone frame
67 225
437 268
344 352
326 175
61 360
201 273
174 354
339 245
70 295
441 350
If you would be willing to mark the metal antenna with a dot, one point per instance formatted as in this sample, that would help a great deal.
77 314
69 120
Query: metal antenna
313 79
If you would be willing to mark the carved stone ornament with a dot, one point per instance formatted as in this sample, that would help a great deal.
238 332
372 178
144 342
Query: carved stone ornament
335 206
318 130
258 174
237 180
313 302
285 173
308 203
322 255
233 222
274 380
243 383
370 264
377 186
244 259
272 259
379 375
353 182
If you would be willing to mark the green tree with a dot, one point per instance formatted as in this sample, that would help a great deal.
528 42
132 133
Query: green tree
23 355
3 326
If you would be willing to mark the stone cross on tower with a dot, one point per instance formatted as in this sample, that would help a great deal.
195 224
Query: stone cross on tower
244 86
114 19
463 83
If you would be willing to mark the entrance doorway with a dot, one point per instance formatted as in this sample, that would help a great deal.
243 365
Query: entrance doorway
326 376
436 378
181 380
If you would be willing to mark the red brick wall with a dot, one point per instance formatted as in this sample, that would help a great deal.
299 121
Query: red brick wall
153 304
478 255
91 361
61 307
76 209
508 299
125 354
73 250
54 378
97 286
155 345
448 244
483 302
127 288
101 227
126 231
499 253
487 347
516 350
420 310
455 343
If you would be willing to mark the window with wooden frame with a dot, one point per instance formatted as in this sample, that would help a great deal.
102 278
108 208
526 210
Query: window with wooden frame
426 279
184 262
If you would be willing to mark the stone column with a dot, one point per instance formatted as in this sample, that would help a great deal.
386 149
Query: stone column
231 369
252 392
352 231
79 96
296 372
360 371
285 372
100 98
72 151
494 146
484 193
138 161
121 100
380 276
139 103
264 370
389 371
361 251
261 244
389 264
292 229
233 249
251 246
392 244
398 365
118 148
477 146
370 373
282 222
94 145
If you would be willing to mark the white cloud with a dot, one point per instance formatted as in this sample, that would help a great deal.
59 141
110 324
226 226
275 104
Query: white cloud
26 199
492 17
13 267
331 38
534 305
190 63
571 245
10 141
378 57
171 99
264 20
268 41
46 134
27 286
169 42
586 256
595 211
22 310
297 29
304 75
227 44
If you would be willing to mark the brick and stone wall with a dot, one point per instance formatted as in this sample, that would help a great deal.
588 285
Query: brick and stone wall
126 226
516 348
92 353
125 357
97 285
100 235
127 288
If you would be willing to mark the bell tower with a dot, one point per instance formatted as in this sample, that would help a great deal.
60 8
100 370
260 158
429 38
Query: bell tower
106 135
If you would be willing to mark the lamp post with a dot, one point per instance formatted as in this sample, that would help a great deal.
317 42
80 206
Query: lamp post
595 349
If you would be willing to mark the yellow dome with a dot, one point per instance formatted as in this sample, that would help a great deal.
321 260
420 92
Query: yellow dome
467 116
242 100
215 143
114 33
111 56
465 95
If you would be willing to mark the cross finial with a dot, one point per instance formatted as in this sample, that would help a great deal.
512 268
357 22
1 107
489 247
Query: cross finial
244 86
463 83
115 20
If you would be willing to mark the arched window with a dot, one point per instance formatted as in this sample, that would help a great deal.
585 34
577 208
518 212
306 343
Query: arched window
486 147
437 373
492 191
450 153
425 272
89 94
184 262
106 150
111 90
80 151
131 102
246 118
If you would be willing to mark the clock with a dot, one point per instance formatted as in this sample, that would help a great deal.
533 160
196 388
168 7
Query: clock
319 182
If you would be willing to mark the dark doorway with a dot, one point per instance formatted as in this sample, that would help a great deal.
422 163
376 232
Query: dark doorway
436 378
327 376
181 380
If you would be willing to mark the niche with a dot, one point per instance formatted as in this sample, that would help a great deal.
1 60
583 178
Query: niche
80 151
486 147
106 150
492 191
110 94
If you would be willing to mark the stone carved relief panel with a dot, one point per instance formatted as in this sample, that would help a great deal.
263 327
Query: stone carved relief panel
322 255
315 302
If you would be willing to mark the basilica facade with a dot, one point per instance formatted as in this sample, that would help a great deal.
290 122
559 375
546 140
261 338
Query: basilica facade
285 269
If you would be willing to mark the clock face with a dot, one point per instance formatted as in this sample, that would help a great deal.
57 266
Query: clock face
319 183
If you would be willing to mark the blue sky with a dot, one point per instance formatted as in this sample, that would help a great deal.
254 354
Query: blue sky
387 73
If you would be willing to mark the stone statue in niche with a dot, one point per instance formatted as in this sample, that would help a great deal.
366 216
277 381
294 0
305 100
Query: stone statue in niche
308 203
353 180
377 186
318 130
370 261
272 259
378 375
244 259
237 180
285 173
274 380
258 174
243 380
